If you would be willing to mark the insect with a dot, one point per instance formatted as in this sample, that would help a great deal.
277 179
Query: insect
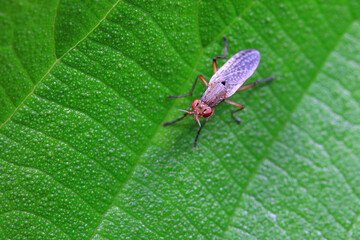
223 84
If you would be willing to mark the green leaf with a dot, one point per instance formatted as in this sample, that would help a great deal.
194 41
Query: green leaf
82 98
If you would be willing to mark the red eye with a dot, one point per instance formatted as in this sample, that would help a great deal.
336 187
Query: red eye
207 112
195 103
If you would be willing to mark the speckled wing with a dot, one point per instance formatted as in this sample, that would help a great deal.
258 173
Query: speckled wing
237 70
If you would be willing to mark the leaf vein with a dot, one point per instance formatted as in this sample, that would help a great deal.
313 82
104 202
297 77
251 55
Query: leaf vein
161 29
198 179
291 176
290 113
50 176
176 207
54 64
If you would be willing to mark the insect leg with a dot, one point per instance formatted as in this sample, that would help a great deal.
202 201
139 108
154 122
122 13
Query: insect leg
198 133
215 68
241 107
255 83
176 120
192 88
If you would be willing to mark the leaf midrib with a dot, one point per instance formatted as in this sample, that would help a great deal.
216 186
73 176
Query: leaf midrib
171 108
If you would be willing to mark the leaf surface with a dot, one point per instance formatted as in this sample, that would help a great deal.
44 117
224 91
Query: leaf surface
82 98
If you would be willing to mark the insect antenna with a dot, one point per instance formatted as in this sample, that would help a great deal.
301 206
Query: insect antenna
198 121
181 110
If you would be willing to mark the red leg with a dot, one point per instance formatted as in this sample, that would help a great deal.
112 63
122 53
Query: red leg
192 88
241 107
255 83
215 68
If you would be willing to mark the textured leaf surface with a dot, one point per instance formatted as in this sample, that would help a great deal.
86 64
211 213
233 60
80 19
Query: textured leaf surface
82 98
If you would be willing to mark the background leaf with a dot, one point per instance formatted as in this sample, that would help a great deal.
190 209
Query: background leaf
82 98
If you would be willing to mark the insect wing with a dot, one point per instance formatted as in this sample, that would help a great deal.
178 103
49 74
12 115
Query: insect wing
237 70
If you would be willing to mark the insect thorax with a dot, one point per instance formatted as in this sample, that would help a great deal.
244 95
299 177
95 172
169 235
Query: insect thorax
214 94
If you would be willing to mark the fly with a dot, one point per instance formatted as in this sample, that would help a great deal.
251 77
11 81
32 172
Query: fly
223 84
